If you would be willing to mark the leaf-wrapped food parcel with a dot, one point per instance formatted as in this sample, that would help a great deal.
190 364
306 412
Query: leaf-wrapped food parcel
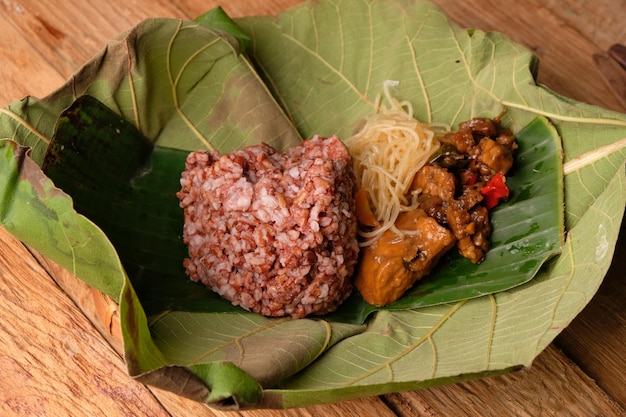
183 86
147 222
89 139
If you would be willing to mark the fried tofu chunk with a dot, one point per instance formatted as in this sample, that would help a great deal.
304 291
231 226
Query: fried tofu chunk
395 262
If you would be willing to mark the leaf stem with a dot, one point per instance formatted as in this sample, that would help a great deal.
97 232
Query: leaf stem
23 122
426 337
564 118
131 85
590 157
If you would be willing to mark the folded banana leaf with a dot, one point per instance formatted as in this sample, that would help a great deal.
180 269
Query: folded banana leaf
175 86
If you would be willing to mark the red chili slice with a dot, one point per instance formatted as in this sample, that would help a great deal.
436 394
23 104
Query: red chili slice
495 190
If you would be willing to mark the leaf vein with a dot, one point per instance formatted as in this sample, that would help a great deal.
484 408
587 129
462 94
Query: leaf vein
174 84
593 156
334 70
131 84
492 327
559 298
426 337
416 68
23 123
237 340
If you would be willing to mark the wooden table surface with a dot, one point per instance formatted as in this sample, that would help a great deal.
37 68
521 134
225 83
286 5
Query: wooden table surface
54 359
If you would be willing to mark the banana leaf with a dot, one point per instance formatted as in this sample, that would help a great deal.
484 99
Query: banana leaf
186 86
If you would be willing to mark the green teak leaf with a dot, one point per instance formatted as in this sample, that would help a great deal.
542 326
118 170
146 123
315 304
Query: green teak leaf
233 388
35 211
186 87
247 340
217 19
350 48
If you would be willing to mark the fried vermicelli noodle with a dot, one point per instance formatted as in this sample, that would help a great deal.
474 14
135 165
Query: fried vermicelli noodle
387 152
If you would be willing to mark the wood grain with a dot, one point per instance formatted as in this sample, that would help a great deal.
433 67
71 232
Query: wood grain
52 361
552 386
57 359
41 76
602 24
612 74
565 52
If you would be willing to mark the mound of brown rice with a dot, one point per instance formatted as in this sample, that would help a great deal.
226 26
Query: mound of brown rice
274 233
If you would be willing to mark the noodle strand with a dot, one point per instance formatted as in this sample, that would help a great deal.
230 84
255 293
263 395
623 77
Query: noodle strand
387 152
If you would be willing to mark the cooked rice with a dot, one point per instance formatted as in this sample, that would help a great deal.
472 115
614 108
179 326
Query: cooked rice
274 233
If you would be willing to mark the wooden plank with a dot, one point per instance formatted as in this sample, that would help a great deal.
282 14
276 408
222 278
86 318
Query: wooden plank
193 8
552 386
602 23
39 35
53 361
15 49
67 33
613 74
565 53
